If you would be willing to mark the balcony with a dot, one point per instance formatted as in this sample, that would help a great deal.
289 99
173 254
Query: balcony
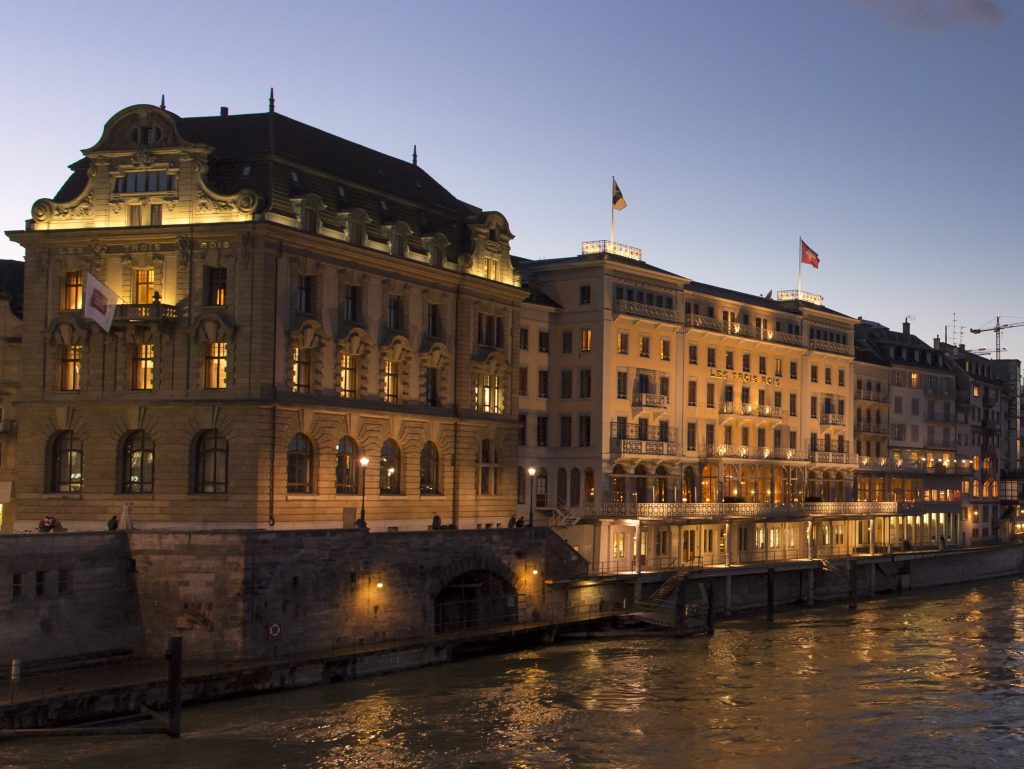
871 428
154 311
935 467
750 409
653 400
871 395
832 418
629 439
749 511
695 320
832 457
626 307
747 452
826 346
704 321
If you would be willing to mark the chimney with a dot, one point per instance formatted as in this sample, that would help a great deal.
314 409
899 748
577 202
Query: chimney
223 111
906 327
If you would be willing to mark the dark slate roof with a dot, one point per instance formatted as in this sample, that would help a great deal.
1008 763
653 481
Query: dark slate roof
737 296
12 283
873 335
539 297
523 263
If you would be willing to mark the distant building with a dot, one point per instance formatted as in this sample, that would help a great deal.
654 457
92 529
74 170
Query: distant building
11 300
288 303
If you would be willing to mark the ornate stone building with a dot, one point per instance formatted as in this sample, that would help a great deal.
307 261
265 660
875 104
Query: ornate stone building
288 303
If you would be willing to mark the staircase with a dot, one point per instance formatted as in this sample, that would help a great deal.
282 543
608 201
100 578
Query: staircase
660 608
562 516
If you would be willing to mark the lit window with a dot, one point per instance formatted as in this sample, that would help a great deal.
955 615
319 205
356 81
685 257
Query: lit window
71 296
623 346
347 376
390 468
389 381
586 339
145 181
216 286
490 394
142 367
302 364
347 472
137 464
66 463
70 367
215 368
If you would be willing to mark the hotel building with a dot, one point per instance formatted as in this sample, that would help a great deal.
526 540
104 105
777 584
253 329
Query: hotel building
306 333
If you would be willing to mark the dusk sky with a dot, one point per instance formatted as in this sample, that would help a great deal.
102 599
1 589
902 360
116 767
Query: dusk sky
889 134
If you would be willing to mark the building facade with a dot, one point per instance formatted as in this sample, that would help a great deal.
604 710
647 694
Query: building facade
306 333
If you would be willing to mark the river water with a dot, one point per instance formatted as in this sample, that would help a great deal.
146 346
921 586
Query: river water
928 679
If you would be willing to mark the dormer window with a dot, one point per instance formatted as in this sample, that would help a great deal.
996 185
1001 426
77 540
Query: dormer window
145 181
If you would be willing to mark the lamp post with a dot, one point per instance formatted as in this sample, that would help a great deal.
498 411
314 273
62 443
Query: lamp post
531 471
363 461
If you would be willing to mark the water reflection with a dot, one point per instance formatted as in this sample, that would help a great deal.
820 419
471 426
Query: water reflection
902 682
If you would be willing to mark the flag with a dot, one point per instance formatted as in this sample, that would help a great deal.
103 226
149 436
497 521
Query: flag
618 201
808 255
99 302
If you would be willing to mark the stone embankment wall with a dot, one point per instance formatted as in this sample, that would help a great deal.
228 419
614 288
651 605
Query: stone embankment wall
63 595
262 594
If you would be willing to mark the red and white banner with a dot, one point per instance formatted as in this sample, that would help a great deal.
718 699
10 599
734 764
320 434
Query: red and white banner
808 255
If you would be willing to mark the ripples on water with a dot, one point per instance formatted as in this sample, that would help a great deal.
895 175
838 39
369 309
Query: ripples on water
903 682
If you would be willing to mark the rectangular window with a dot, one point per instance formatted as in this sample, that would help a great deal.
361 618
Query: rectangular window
71 296
584 294
305 296
745 361
584 430
542 431
142 367
691 393
566 385
524 374
347 384
565 432
828 375
645 347
842 378
623 346
663 386
302 364
814 373
566 341
216 286
584 383
543 342
586 339
620 384
814 407
666 349
524 339
352 309
70 367
618 544
142 286
792 369
393 316
692 356
434 321
215 369
710 395
542 384
431 395
728 360
709 437
762 365
40 583
711 357
792 404
691 436
389 381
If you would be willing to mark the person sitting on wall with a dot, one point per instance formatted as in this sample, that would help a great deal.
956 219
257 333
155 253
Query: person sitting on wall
46 524
520 523
112 523
512 522
56 525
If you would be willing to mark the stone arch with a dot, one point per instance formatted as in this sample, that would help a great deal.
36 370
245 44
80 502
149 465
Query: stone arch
474 593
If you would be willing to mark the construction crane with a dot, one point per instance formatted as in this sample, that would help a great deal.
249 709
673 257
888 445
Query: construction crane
998 328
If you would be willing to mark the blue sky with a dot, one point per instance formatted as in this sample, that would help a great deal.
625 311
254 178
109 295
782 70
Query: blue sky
888 133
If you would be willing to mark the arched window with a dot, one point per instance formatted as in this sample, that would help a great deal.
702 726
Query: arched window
300 465
390 468
640 493
347 474
211 463
430 470
487 468
541 490
65 463
618 484
574 487
661 484
137 457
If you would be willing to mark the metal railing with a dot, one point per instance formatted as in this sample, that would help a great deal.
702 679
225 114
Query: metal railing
750 452
611 247
874 428
625 306
650 399
871 395
826 346
750 409
832 418
832 457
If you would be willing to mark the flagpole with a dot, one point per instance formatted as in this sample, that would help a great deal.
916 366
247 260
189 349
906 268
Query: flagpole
613 210
799 267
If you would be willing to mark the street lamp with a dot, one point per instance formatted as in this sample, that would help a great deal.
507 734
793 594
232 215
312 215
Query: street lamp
363 461
531 471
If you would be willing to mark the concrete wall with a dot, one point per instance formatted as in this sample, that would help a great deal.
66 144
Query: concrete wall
83 603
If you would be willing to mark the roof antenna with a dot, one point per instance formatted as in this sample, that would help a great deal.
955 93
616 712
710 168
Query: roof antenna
163 105
271 99
414 156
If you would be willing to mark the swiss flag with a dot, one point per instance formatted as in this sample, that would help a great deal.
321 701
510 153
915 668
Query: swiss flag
808 255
